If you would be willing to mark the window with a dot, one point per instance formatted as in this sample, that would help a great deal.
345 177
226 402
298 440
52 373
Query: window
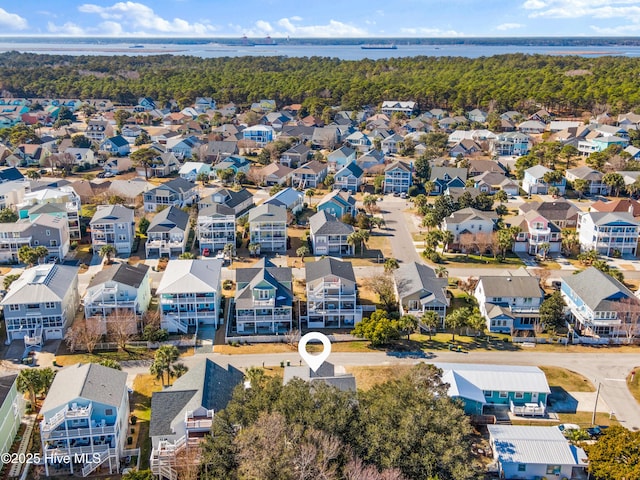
519 395
49 305
108 411
504 394
522 467
487 393
263 294
48 233
14 307
553 469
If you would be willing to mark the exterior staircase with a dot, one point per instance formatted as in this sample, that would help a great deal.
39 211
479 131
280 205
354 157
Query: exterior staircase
103 457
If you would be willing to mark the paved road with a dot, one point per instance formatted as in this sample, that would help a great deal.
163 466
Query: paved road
608 369
401 239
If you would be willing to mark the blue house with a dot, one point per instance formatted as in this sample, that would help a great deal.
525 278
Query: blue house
444 178
86 410
338 203
349 178
235 163
260 134
340 158
523 390
117 145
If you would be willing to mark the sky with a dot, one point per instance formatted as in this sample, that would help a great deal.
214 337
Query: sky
321 18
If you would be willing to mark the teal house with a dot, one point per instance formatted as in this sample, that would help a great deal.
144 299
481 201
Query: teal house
483 388
11 410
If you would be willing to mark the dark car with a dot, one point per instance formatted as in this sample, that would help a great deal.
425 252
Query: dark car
597 431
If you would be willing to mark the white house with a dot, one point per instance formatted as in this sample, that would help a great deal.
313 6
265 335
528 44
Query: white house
608 232
191 170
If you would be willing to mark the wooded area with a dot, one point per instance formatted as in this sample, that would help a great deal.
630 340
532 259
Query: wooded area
569 84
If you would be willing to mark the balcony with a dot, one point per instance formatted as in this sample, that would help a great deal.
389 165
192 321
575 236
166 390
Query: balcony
199 422
528 409
263 318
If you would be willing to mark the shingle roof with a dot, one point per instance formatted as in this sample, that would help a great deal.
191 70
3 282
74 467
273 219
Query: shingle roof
415 277
597 289
206 384
91 381
469 213
6 382
169 218
329 266
42 283
324 223
124 273
268 212
179 185
618 205
512 286
552 211
115 213
606 218
398 164
248 278
216 209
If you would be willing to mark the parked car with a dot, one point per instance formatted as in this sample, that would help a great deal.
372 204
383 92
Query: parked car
206 252
597 431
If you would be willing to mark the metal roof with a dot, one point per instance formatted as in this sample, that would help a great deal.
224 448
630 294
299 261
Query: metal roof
500 378
195 276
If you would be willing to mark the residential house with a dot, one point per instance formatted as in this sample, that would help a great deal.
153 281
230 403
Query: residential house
235 163
40 304
204 104
48 231
216 227
297 155
162 165
86 411
349 178
332 294
113 225
398 177
129 190
189 293
218 150
183 147
264 299
98 130
30 155
447 177
533 182
190 170
289 198
390 107
239 201
309 175
325 137
510 303
132 131
117 145
601 143
168 233
326 373
264 106
466 147
560 212
340 158
531 452
477 115
9 174
116 289
182 415
532 127
338 203
275 174
618 205
12 408
12 193
146 104
268 228
492 182
512 144
610 233
420 291
177 192
258 135
329 236
297 133
38 202
471 228
593 178
537 234
486 388
391 144
371 159
359 141
118 165
600 305
82 156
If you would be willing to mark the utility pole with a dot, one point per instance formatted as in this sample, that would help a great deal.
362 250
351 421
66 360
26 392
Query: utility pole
595 406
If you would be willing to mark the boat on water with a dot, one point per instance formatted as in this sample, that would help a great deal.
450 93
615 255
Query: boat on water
389 46
136 46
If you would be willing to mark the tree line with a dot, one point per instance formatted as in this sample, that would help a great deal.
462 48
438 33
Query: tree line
514 81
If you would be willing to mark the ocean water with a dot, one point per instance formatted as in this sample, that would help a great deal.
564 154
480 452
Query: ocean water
344 52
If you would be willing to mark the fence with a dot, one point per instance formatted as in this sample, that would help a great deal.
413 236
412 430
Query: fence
577 339
180 343
333 337
560 340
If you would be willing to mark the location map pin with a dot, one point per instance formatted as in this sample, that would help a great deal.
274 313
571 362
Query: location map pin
314 361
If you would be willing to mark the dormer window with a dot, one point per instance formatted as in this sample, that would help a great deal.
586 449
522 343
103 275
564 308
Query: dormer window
263 294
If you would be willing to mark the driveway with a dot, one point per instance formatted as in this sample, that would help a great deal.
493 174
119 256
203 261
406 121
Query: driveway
401 239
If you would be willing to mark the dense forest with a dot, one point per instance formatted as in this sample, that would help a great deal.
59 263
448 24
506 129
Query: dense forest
569 84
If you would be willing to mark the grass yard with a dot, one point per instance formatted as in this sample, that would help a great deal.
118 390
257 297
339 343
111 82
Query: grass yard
96 357
143 388
568 380
368 377
485 260
634 385
259 348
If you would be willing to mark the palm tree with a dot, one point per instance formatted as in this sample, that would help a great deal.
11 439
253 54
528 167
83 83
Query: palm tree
378 222
501 196
35 381
229 251
179 369
391 264
441 271
543 249
107 252
41 252
164 362
302 251
447 238
310 193
33 174
203 178
186 256
254 249
409 324
354 239
143 158
429 321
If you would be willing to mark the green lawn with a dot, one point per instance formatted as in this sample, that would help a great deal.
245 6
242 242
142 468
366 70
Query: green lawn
568 380
488 260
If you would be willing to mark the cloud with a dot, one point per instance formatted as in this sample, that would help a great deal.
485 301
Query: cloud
12 21
627 29
509 26
291 27
138 19
430 32
599 9
68 28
